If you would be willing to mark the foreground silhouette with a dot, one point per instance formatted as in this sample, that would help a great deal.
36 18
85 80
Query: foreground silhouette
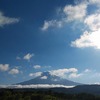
10 94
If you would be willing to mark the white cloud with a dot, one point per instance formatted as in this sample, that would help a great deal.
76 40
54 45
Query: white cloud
51 23
91 36
93 22
83 41
37 67
74 70
14 71
34 75
7 20
4 67
77 12
88 40
44 77
28 56
63 72
69 13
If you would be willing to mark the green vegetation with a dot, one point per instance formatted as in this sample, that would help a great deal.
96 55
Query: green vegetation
44 95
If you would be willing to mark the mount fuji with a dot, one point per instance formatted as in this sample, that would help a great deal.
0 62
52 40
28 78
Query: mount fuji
47 78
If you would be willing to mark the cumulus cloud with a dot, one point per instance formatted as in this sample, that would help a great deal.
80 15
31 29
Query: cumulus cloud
7 20
4 67
77 12
28 56
36 66
63 72
93 22
14 71
44 77
34 75
83 41
91 36
91 39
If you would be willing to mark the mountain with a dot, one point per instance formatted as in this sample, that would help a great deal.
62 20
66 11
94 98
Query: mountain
47 78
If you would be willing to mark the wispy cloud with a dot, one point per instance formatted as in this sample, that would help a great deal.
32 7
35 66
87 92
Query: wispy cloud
4 67
34 75
28 56
7 20
51 23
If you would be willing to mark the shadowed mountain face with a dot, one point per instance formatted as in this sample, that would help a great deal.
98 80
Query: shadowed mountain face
47 78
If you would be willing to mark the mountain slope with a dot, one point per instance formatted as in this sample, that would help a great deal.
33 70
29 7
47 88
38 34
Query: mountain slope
50 79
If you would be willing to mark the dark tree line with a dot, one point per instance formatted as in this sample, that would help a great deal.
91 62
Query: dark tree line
44 95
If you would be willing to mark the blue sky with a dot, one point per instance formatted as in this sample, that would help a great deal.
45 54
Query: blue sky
49 35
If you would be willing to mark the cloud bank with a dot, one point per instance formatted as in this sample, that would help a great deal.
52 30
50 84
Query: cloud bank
35 86
62 73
